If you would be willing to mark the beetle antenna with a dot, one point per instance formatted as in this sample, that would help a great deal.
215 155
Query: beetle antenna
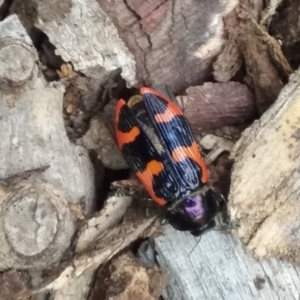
195 246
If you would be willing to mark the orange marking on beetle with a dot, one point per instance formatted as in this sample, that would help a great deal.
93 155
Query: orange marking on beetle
153 167
118 108
127 137
167 116
124 137
180 153
171 110
148 90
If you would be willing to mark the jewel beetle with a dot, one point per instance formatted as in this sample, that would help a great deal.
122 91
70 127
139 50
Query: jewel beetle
168 161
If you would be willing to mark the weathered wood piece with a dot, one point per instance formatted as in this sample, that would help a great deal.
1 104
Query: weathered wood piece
159 41
95 227
264 196
220 268
267 69
102 251
33 125
213 105
33 136
172 41
37 224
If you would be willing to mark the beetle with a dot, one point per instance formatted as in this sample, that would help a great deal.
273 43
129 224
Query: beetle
168 162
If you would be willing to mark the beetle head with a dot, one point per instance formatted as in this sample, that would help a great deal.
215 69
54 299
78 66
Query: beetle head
196 212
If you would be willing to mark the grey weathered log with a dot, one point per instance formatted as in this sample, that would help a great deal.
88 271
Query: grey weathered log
34 129
221 268
264 196
159 41
35 217
17 55
37 222
36 226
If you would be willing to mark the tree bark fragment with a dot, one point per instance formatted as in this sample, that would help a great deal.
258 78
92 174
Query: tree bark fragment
221 268
214 105
265 180
34 138
267 69
170 41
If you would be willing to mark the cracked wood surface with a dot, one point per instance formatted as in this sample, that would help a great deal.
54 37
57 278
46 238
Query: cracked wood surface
170 41
221 268
40 170
33 138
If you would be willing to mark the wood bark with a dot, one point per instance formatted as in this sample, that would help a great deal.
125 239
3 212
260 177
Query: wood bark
158 41
265 180
213 105
34 210
250 45
221 268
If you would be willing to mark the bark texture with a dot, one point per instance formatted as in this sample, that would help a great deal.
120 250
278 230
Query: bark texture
220 267
213 105
265 180
36 222
249 45
152 41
